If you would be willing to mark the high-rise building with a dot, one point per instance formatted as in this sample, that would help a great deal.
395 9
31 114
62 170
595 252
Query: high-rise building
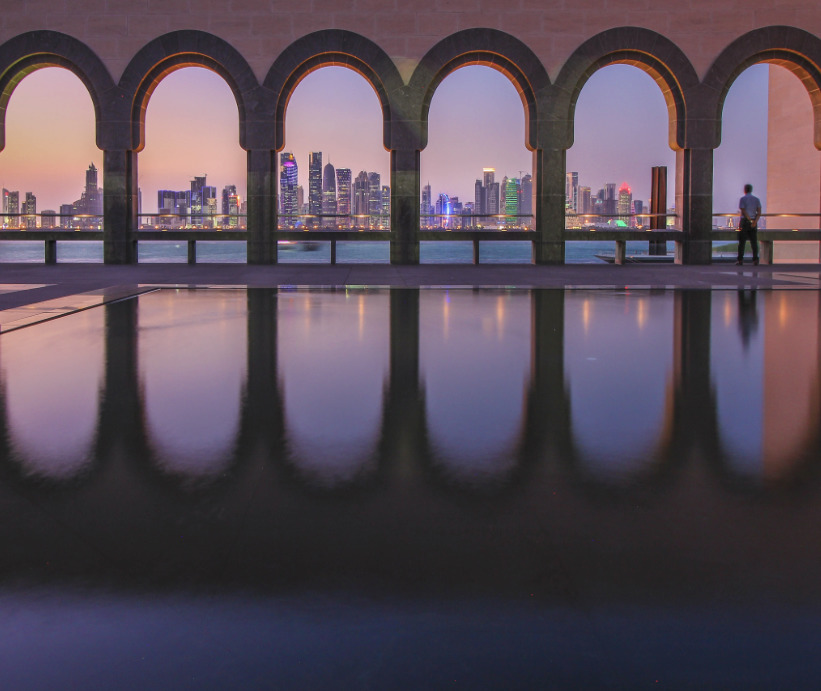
90 203
443 211
173 204
343 197
13 209
571 191
288 186
638 209
48 218
227 191
426 210
493 201
4 199
361 199
511 200
585 200
526 201
314 185
625 201
234 210
375 198
385 221
30 210
66 215
610 200
329 195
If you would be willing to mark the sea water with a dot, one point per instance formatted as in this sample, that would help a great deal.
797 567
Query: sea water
229 252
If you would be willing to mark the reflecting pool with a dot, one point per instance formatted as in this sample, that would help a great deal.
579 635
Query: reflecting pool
425 488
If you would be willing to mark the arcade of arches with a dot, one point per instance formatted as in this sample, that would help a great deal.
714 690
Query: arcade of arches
694 86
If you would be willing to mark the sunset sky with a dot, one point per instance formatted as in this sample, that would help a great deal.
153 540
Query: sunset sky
476 121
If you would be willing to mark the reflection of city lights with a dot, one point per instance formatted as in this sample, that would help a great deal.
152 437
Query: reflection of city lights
446 315
586 315
728 310
500 316
641 313
361 317
783 311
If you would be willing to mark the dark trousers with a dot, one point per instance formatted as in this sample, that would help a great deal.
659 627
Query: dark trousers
747 232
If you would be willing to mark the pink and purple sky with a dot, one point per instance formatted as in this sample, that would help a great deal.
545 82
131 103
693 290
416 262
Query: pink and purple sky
476 121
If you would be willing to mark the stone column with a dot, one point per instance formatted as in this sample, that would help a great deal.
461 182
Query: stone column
120 221
549 200
405 203
694 204
262 207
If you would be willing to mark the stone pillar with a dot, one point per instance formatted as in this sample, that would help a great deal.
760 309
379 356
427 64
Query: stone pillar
694 204
405 203
120 221
549 199
262 207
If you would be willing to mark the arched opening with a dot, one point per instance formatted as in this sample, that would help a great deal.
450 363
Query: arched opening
742 156
476 172
621 132
192 354
51 167
474 354
334 171
192 171
793 164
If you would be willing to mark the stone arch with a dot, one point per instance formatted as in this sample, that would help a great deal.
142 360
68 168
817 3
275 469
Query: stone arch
34 50
791 48
656 55
490 48
189 48
333 48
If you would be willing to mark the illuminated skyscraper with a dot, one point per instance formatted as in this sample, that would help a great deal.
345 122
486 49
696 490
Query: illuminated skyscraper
227 192
329 195
343 196
5 207
288 185
30 210
625 201
375 197
585 200
511 186
526 201
385 221
314 184
426 210
571 191
361 196
14 208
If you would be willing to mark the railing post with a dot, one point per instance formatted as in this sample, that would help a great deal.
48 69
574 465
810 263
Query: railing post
333 251
694 204
549 199
120 207
51 251
405 204
192 251
262 207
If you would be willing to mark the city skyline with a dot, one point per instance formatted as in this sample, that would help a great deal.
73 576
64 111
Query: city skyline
202 143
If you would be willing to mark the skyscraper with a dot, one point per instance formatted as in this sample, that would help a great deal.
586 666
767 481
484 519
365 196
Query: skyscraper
227 192
512 190
526 201
385 221
361 197
196 205
4 208
329 195
314 185
374 198
30 210
425 209
585 200
571 191
288 186
14 208
625 201
343 196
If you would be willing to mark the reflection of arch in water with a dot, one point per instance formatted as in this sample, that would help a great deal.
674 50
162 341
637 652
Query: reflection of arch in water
191 372
333 405
789 435
49 428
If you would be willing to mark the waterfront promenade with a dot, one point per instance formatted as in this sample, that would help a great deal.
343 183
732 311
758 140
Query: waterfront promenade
30 293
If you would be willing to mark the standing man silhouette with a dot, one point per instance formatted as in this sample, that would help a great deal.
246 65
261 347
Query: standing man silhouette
750 207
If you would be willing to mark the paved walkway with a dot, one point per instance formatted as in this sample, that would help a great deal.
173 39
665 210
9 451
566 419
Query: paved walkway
31 292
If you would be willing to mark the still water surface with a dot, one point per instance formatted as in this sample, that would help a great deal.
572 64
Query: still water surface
493 480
